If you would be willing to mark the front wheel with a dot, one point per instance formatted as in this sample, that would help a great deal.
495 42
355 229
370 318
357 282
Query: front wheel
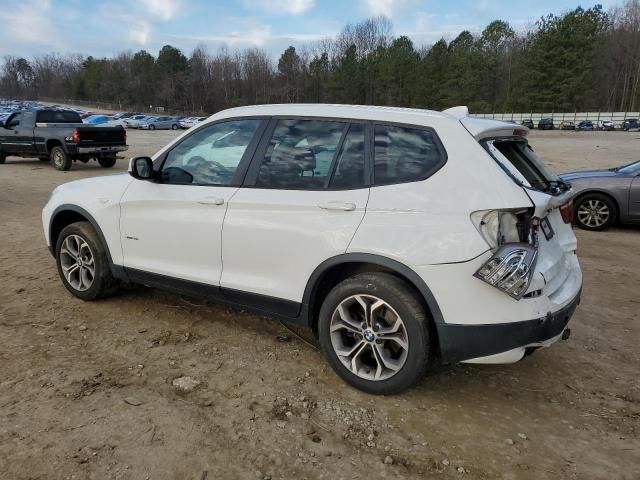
82 262
174 127
375 333
152 127
60 159
107 162
595 211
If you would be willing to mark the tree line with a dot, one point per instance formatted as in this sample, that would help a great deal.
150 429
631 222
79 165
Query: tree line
583 59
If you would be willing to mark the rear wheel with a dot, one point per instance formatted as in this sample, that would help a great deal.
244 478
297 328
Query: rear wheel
107 162
595 211
82 262
375 333
174 127
152 127
59 158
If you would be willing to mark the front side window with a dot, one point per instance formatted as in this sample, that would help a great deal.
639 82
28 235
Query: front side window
405 154
211 155
300 154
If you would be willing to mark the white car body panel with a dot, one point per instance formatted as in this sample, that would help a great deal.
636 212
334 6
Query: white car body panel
426 222
174 230
285 231
100 197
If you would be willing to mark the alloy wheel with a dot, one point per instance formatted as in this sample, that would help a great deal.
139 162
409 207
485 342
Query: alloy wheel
369 337
58 159
593 213
77 262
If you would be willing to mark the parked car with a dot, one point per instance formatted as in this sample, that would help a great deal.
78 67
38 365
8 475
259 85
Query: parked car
603 197
60 137
135 121
528 123
631 124
96 119
585 126
567 125
191 121
159 123
546 124
368 246
607 125
124 115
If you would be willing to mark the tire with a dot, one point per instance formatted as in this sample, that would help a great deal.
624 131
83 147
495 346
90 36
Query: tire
595 211
107 162
3 157
152 127
59 159
80 283
174 127
410 364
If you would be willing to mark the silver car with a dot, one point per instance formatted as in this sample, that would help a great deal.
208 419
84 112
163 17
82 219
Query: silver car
604 196
135 121
160 123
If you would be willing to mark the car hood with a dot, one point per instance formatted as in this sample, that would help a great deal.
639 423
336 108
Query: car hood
587 174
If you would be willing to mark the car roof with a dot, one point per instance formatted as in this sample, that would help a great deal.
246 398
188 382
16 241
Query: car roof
356 112
478 127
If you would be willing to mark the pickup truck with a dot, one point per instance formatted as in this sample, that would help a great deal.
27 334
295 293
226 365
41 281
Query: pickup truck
59 136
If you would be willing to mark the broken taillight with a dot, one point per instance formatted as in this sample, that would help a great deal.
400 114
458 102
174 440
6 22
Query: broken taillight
566 211
510 269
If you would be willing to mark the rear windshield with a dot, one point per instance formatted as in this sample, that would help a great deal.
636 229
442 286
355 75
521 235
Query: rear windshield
58 116
518 159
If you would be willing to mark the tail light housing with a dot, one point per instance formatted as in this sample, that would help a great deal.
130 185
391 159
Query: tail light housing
510 269
76 136
566 211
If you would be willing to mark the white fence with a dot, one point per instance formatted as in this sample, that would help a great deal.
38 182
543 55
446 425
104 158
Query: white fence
616 117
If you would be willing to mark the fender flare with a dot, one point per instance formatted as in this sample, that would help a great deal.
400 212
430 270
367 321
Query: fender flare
400 268
116 270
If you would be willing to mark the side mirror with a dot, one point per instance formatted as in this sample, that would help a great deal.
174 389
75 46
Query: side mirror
141 168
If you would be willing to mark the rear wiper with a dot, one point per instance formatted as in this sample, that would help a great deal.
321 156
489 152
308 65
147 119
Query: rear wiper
556 186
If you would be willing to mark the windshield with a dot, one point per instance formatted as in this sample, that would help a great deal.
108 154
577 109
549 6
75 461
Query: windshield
519 160
630 169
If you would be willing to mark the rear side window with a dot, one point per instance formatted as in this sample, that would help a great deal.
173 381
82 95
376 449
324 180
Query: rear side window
403 154
58 116
300 154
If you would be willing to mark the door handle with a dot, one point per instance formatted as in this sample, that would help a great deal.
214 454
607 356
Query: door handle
211 201
342 206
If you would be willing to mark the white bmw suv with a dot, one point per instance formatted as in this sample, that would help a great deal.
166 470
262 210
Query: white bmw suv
401 237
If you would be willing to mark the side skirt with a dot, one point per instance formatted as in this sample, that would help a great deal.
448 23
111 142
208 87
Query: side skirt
278 308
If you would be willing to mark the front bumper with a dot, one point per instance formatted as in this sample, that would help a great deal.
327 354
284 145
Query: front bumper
465 342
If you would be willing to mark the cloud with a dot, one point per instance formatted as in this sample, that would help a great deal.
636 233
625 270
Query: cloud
28 22
281 7
246 34
380 7
163 9
140 32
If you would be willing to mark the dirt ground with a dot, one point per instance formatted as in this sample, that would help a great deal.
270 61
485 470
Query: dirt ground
86 388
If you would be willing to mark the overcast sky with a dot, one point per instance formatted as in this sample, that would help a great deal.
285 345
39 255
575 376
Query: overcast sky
99 28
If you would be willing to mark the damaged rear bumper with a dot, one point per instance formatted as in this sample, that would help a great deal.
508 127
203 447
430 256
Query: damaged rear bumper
459 343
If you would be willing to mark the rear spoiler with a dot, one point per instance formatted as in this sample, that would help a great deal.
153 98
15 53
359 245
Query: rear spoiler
482 128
